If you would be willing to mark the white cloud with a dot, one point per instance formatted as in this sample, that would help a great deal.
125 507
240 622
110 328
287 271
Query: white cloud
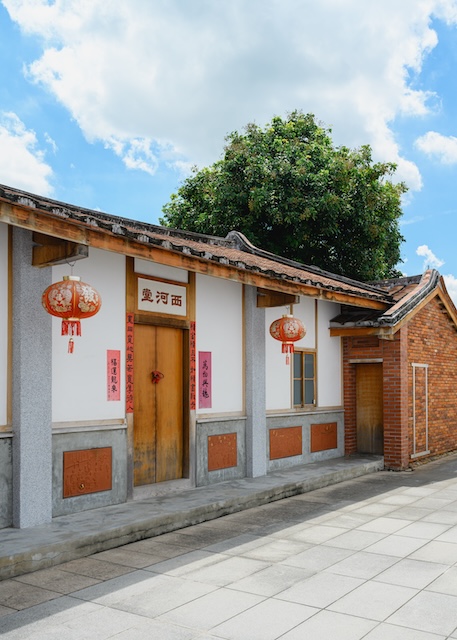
430 261
135 153
51 142
22 163
451 285
444 148
184 74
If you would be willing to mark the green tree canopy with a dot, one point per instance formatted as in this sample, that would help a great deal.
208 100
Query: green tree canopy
292 192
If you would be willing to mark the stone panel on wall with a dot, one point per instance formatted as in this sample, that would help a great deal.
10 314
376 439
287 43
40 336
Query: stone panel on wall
285 443
222 451
87 471
324 436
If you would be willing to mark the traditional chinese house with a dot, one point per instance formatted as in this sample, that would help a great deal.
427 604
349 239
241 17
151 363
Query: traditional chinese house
136 359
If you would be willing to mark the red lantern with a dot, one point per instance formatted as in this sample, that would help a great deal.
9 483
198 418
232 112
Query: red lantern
288 329
71 300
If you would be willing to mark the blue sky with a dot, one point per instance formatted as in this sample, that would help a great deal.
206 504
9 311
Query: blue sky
107 104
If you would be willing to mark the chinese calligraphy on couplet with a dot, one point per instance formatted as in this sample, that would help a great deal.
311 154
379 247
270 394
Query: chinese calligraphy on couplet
129 363
113 374
193 367
204 380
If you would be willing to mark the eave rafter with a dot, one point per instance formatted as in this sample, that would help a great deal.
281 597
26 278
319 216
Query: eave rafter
49 251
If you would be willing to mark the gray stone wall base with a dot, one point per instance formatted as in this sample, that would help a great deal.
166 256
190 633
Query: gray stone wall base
215 428
305 421
117 440
6 483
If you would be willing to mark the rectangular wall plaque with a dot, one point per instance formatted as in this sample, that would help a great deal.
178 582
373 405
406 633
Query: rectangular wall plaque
204 380
324 436
222 452
161 297
87 471
286 442
113 375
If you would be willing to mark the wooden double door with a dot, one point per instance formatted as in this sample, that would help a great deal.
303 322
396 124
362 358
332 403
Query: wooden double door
158 427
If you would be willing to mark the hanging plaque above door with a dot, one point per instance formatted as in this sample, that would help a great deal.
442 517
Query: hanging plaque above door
157 296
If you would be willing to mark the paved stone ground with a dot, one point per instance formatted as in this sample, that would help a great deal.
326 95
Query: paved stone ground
372 558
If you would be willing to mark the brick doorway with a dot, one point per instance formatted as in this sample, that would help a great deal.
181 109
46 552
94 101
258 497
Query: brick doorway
369 408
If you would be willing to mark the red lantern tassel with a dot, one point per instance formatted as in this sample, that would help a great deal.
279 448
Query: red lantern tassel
287 348
71 328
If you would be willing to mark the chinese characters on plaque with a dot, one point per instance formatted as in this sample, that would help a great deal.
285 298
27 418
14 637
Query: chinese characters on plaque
161 297
113 375
204 380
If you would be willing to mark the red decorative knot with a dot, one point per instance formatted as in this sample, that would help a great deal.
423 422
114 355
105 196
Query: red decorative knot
288 330
71 300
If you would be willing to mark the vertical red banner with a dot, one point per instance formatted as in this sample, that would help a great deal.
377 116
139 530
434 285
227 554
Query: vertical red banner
129 363
193 367
204 380
113 375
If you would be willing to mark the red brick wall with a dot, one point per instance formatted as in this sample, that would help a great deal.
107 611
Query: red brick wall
395 392
433 341
429 338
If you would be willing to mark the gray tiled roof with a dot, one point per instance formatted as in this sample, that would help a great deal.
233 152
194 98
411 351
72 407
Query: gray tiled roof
234 250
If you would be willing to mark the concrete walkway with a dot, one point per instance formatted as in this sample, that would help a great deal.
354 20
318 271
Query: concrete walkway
81 534
374 557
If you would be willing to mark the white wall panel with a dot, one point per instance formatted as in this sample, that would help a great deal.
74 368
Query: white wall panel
162 271
278 383
277 372
3 321
329 373
80 379
219 329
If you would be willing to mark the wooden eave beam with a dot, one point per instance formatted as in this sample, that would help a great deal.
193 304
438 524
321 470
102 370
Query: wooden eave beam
49 251
385 332
66 229
336 332
267 298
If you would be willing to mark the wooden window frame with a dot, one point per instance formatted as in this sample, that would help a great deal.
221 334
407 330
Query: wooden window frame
302 353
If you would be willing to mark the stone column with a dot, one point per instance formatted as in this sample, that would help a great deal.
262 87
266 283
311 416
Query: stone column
256 423
31 388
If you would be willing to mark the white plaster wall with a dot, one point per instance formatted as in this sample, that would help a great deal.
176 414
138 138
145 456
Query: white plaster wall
79 389
219 329
329 372
278 374
162 271
3 321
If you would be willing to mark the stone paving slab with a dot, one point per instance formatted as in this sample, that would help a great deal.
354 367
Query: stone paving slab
252 576
81 534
